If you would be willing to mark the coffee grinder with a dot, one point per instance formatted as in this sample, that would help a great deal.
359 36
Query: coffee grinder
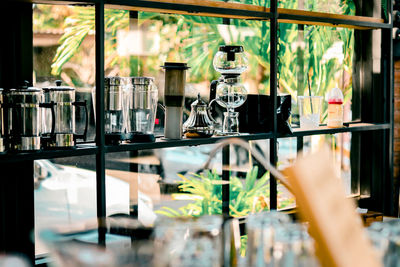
228 91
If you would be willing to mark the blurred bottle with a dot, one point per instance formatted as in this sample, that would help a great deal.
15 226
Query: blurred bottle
335 108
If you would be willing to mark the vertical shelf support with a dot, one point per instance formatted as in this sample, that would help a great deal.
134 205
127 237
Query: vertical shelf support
100 139
225 178
273 92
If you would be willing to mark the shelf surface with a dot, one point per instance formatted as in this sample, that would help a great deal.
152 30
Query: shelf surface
162 143
91 149
80 150
353 127
222 9
297 132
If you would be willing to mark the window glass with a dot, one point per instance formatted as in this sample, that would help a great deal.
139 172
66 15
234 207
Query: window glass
65 194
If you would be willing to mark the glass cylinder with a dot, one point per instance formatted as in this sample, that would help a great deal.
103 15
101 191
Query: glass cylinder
142 105
64 110
24 113
114 101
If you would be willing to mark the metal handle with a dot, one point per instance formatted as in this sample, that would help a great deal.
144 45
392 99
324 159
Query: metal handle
53 116
209 112
84 105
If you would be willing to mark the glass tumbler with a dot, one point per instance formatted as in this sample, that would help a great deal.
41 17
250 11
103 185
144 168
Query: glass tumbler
185 242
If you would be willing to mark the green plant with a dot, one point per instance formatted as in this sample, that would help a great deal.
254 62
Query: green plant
248 196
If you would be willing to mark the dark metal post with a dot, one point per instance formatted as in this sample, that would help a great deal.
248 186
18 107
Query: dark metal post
391 202
273 92
225 178
100 139
17 211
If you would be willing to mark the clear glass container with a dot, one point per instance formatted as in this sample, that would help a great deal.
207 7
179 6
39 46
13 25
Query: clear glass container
230 94
142 105
114 115
24 113
230 60
189 242
63 98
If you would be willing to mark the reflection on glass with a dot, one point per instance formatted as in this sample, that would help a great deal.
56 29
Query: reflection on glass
340 145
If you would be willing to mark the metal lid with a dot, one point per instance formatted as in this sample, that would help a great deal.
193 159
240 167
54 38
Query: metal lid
141 80
114 81
231 48
232 80
58 87
198 102
175 66
26 88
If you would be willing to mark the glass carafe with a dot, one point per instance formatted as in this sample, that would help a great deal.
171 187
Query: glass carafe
230 94
25 118
142 108
63 98
114 115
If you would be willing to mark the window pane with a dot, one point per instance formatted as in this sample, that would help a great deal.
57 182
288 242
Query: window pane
64 49
65 193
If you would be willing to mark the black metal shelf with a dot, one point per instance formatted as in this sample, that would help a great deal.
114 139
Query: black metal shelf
92 149
81 150
353 127
162 143
297 132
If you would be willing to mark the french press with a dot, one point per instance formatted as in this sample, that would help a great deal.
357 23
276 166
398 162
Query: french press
142 108
64 133
228 91
25 117
115 96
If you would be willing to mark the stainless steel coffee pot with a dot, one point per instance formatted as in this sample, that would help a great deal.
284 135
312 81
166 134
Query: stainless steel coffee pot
25 117
64 101
200 123
142 107
115 111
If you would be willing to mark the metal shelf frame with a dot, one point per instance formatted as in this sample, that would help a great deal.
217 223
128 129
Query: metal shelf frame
371 137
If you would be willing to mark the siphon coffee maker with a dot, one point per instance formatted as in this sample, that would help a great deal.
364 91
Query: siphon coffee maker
64 101
174 97
228 91
25 118
115 109
142 108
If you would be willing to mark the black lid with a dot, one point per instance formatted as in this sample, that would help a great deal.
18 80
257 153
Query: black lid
26 88
231 48
58 87
175 66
